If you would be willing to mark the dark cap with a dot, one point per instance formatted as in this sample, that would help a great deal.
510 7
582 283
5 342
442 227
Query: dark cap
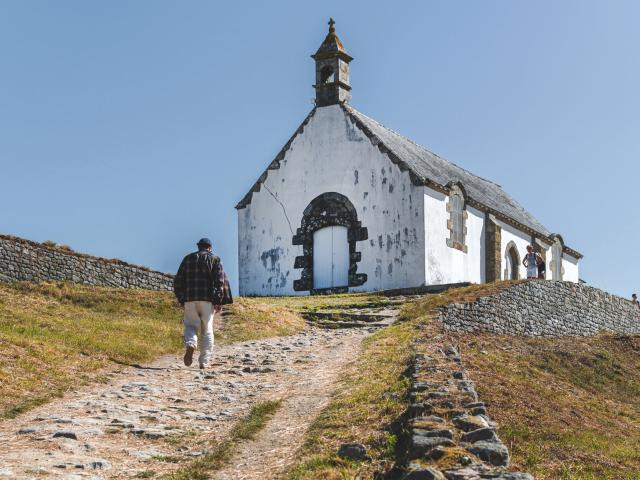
204 242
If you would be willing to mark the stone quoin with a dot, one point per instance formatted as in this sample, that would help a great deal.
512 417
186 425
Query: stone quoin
350 205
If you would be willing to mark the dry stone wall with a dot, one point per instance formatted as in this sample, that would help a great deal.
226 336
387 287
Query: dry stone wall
545 308
24 260
447 433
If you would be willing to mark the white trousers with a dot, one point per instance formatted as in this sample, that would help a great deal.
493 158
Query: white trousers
198 319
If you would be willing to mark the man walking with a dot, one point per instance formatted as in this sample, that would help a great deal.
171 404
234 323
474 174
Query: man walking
201 289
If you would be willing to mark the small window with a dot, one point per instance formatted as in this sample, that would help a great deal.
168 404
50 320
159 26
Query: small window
326 75
457 217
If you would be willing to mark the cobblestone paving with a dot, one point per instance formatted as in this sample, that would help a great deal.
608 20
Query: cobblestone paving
149 418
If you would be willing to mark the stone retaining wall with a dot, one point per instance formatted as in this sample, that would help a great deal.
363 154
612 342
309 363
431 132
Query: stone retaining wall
545 308
24 260
448 433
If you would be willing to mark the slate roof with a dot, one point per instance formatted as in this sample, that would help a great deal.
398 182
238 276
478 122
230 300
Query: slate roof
426 165
426 168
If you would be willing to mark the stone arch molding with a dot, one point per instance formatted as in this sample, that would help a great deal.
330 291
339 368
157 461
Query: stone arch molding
557 252
457 227
327 210
512 247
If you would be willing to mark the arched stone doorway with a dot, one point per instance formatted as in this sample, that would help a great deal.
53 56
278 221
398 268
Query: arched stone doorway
512 261
327 223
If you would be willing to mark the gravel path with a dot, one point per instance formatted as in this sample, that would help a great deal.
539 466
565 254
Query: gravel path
148 419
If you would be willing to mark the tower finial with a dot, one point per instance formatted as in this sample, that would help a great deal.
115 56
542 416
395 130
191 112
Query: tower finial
332 29
332 70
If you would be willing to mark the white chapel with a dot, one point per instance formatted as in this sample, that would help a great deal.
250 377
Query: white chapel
349 205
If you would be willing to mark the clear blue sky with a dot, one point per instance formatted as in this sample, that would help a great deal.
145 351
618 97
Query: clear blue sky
130 129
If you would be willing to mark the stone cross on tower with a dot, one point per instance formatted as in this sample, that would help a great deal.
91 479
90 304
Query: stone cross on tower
332 70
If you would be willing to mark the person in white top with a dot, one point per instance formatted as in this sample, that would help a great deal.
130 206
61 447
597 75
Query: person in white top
531 261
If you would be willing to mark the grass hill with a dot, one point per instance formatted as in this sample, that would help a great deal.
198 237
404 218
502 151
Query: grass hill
56 336
567 407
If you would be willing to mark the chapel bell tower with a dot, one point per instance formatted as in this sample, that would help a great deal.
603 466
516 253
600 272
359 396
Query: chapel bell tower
332 70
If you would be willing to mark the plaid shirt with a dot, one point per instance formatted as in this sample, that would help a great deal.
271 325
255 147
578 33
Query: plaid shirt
201 277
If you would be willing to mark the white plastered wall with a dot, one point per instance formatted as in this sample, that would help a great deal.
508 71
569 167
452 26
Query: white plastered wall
444 264
571 272
521 240
332 155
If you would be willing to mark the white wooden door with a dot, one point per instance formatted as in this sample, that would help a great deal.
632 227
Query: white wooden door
330 257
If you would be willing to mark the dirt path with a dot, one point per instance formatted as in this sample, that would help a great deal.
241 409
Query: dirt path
153 418
274 448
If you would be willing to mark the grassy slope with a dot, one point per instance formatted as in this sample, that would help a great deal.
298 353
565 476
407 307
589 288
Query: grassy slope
59 336
568 407
371 396
251 319
331 302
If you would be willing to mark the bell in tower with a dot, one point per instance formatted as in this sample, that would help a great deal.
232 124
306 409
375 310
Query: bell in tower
332 70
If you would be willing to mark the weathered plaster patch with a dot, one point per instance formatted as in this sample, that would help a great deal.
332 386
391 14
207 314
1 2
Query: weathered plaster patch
434 269
353 134
272 255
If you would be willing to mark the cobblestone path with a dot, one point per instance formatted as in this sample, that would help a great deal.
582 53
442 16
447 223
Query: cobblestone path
152 418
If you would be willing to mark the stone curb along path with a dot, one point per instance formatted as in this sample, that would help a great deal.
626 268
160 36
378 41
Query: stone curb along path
446 425
155 418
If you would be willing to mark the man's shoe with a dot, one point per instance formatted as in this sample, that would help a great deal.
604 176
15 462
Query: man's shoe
203 366
188 356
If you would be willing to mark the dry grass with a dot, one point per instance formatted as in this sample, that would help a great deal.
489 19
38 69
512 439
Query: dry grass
58 336
330 302
371 397
251 319
373 394
568 407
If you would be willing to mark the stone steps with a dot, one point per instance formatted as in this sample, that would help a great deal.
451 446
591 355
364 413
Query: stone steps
350 319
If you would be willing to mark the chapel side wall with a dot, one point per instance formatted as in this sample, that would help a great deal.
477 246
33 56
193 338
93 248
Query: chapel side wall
444 264
24 260
571 271
521 240
333 155
545 308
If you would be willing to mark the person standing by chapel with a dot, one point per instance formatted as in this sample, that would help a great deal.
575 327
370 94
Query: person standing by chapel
201 288
531 261
542 269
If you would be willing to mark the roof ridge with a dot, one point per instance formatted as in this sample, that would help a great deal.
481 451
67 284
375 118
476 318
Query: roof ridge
420 145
